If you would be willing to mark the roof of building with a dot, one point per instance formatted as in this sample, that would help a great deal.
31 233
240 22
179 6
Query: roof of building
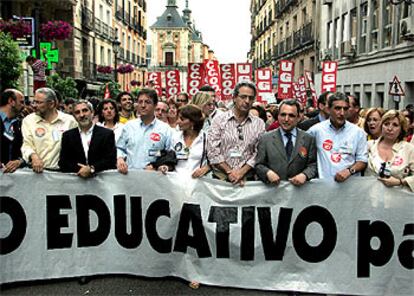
169 19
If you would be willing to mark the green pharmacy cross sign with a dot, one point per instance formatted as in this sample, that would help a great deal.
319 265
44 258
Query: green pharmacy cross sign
52 54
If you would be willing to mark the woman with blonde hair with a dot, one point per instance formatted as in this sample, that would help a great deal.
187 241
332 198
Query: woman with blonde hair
207 104
372 123
390 157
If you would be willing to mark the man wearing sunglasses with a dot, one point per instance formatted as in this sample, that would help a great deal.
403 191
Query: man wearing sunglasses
233 136
341 146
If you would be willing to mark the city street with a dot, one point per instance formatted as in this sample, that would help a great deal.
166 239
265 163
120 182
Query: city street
123 285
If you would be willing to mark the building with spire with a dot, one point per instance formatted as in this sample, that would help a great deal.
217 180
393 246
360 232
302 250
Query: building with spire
175 41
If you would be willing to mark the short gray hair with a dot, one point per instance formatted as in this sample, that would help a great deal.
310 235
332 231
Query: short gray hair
87 103
49 93
244 83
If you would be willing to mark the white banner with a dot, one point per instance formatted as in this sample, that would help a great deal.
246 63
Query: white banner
352 238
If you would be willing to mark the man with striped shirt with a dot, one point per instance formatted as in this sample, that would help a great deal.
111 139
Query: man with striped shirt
233 137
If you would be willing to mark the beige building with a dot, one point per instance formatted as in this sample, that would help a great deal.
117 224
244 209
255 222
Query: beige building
175 42
96 24
283 29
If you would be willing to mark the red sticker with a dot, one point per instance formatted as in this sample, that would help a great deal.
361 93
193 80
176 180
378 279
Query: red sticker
40 132
303 151
336 157
327 145
155 137
398 161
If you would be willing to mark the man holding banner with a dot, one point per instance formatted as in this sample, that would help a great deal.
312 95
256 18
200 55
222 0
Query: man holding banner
287 153
341 145
233 137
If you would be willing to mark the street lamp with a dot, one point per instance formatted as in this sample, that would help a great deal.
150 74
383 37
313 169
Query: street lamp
115 48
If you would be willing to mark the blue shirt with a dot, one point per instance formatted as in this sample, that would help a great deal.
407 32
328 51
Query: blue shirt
338 149
141 144
7 122
294 134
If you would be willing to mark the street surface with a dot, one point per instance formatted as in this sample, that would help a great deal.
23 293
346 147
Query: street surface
123 285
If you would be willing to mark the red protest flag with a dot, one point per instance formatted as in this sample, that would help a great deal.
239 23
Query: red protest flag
107 93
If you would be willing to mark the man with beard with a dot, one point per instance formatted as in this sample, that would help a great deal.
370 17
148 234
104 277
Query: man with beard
341 146
89 148
143 139
126 107
233 136
42 131
11 104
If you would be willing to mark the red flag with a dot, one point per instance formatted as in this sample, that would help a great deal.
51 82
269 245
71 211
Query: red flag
302 90
194 78
172 82
107 93
286 73
263 83
228 80
329 70
212 72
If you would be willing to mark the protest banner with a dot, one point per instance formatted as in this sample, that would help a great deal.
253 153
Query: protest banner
195 78
228 81
172 83
329 71
286 74
212 74
155 77
308 76
244 71
323 237
302 90
263 83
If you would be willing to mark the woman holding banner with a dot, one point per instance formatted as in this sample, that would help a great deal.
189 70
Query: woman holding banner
390 157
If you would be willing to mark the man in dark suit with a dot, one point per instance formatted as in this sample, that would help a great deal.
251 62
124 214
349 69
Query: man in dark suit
322 115
287 153
89 148
11 139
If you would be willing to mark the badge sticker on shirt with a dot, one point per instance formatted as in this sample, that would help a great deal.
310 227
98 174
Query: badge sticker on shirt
40 132
398 161
155 137
336 157
327 145
154 153
178 147
234 153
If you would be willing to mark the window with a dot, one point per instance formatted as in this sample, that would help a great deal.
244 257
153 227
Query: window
374 25
109 56
102 52
363 31
337 37
387 24
169 59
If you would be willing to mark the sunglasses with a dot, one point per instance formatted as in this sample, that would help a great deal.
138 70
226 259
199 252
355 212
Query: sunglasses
240 131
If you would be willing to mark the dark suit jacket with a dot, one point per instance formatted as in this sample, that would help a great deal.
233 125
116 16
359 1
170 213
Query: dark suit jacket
102 150
308 123
10 150
271 155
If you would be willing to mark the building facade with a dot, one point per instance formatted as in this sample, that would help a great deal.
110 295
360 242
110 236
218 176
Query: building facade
373 41
284 29
96 25
175 42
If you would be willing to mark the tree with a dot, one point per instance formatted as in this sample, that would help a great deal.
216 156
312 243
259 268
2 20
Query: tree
10 62
65 87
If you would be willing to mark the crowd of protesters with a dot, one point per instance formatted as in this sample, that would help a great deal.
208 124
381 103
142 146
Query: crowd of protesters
237 142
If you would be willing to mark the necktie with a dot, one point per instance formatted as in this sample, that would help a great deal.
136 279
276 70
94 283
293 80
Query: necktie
289 145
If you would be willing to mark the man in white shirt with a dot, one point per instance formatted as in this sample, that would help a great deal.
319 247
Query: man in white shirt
341 145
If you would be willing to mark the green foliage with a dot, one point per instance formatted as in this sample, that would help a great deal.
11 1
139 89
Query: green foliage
10 62
66 87
114 89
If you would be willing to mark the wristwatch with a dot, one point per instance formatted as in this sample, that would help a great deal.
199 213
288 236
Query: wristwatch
351 170
92 169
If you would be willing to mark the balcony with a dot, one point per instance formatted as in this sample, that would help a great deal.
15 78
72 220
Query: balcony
119 14
98 26
307 35
127 19
283 5
121 54
87 19
289 43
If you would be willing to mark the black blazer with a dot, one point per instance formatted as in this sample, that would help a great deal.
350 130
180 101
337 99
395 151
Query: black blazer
10 149
102 150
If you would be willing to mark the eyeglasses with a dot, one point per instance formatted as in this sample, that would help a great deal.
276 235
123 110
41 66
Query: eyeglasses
181 101
302 110
240 131
243 97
